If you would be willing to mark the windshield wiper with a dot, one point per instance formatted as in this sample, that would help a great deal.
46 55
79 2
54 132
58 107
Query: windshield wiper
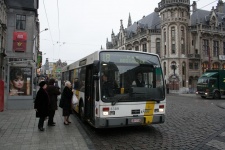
116 100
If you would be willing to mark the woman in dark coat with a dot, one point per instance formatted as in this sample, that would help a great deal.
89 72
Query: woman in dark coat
53 92
41 104
67 102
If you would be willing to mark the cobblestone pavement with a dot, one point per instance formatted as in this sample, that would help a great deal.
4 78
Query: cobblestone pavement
191 123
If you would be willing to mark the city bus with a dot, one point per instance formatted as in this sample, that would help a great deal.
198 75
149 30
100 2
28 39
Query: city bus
128 104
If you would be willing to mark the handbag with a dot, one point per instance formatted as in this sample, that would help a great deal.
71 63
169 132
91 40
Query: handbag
61 103
74 99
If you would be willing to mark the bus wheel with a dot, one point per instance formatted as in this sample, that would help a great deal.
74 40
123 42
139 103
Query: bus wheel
81 111
216 95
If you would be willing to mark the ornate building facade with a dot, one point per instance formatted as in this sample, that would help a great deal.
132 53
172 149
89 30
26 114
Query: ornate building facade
188 41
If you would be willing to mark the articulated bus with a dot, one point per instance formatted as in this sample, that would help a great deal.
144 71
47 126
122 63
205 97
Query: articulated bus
128 105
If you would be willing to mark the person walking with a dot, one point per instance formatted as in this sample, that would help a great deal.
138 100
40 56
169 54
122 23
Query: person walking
53 92
41 104
67 102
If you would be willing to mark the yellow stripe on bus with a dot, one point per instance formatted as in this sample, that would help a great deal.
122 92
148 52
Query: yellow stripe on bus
149 109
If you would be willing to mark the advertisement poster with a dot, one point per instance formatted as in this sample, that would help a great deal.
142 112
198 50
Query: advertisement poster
20 81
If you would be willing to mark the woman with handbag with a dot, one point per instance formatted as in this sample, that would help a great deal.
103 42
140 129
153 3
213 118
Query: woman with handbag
66 102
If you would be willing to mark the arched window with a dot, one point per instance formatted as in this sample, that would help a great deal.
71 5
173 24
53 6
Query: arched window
205 66
183 68
215 66
136 46
182 41
158 46
223 66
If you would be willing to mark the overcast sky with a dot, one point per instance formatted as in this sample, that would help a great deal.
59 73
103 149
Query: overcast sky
80 27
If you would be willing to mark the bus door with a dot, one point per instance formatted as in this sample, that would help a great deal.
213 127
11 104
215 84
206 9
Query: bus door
89 94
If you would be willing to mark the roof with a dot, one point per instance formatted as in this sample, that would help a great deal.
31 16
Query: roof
199 16
152 21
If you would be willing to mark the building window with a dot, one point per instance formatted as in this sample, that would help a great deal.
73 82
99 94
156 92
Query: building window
158 46
196 66
173 33
190 65
215 66
173 48
223 66
215 48
20 22
183 68
182 46
205 66
136 48
144 47
164 35
165 50
223 48
182 32
205 47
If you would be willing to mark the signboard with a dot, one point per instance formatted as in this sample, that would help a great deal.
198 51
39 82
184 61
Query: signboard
19 41
20 81
58 70
39 59
221 57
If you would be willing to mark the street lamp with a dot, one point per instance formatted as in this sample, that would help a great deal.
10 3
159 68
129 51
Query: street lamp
174 67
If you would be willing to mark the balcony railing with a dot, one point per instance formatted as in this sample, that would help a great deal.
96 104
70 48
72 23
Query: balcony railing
165 3
194 56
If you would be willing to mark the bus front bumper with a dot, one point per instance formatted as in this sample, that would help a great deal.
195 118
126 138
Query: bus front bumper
129 121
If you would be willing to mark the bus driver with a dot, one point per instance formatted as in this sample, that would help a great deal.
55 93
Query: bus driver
107 87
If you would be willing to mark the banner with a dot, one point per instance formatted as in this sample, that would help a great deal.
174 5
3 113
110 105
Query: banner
20 81
19 41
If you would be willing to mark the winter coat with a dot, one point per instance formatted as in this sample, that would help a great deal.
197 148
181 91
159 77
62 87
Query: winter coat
53 92
41 103
66 98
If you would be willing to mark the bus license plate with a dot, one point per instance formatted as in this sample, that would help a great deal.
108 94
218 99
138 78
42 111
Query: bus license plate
135 120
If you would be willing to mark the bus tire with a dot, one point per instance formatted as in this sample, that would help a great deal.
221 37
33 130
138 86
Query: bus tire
216 95
81 111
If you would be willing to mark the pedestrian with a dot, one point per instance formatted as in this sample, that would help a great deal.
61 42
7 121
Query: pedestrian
41 104
53 92
67 101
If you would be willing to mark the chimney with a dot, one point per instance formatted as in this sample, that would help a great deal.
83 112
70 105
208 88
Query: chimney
219 6
194 6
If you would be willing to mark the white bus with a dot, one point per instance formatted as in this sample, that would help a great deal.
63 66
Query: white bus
127 104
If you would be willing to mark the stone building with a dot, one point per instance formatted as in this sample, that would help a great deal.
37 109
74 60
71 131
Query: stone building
187 39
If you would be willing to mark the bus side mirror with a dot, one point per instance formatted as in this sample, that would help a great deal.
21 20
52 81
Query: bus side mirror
96 67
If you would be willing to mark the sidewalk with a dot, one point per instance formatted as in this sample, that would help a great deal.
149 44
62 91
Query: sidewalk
19 131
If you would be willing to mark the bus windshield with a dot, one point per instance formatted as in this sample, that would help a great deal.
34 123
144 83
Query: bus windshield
130 77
